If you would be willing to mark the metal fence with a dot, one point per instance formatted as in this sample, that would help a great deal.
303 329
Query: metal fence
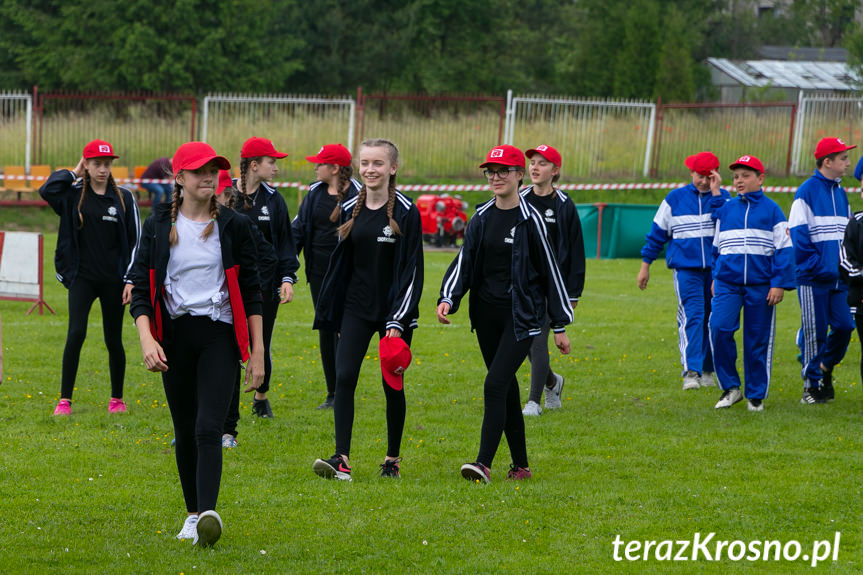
597 138
299 124
823 116
140 126
765 130
438 136
16 128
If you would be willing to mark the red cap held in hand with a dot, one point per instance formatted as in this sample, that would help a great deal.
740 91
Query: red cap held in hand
99 149
748 162
332 154
193 155
829 146
546 152
504 155
702 163
395 359
259 147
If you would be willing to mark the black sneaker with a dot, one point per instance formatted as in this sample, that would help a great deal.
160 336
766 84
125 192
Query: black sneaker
335 466
328 403
261 408
813 395
827 384
390 468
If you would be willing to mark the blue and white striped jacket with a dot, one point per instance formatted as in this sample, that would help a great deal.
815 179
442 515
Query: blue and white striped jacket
817 220
751 244
683 222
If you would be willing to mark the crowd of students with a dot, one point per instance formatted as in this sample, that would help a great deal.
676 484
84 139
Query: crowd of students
206 276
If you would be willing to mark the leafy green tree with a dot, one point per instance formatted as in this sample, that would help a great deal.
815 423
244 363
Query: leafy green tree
636 63
674 74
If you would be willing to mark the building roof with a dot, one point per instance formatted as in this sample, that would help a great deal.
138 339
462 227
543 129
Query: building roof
807 54
803 75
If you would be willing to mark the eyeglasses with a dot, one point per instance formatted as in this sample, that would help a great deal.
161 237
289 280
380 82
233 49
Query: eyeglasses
502 173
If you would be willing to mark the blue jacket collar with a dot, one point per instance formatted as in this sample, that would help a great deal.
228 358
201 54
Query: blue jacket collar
825 180
752 197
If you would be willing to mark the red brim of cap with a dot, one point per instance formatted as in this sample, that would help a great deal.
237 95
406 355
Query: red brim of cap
221 161
397 382
112 156
845 149
316 160
278 155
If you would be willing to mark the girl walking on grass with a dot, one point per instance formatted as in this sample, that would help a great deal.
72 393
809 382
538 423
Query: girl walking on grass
99 232
316 229
266 207
509 267
564 233
373 285
197 305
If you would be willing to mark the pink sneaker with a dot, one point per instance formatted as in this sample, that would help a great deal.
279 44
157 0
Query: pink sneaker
116 406
517 473
64 407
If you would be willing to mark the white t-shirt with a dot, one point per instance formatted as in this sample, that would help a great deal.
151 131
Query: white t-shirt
195 283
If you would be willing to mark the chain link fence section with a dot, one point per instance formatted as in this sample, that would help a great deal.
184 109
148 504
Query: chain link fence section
16 129
823 117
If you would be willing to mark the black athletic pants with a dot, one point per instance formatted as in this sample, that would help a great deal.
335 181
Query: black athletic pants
327 340
503 355
541 375
81 296
858 320
355 336
203 360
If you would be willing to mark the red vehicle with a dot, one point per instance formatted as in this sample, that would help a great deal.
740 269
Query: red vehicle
443 218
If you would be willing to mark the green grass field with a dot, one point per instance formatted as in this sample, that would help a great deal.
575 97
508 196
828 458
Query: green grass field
630 454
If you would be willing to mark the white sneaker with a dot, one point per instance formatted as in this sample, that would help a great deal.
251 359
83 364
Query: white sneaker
189 530
209 528
755 405
532 408
552 395
728 398
229 441
707 379
691 380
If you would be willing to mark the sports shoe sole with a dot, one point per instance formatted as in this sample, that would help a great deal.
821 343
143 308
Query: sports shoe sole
474 473
327 471
209 528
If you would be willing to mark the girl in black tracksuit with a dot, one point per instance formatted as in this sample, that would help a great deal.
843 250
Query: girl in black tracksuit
509 267
373 285
99 231
197 306
315 229
851 270
264 205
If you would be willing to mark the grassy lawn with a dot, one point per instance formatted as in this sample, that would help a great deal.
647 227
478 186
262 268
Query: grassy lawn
629 454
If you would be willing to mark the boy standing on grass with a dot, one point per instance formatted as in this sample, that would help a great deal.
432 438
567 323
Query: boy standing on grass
752 266
683 225
817 220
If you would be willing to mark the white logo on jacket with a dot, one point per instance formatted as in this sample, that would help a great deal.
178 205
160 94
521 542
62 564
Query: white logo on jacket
511 236
112 215
265 214
387 236
112 211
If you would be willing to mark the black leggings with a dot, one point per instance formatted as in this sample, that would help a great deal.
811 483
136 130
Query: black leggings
858 320
328 341
503 355
270 310
81 296
203 359
354 339
541 374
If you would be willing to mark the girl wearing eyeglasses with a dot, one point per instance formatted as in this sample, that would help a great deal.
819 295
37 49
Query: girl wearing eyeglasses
509 267
315 229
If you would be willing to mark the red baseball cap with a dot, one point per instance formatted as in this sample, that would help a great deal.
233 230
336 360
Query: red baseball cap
505 155
395 359
225 181
829 146
703 163
748 162
258 147
546 152
99 149
332 154
193 155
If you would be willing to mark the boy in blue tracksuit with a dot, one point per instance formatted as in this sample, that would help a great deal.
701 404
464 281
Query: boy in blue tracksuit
683 223
752 266
817 221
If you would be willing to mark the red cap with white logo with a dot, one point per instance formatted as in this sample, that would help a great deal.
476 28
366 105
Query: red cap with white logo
332 154
260 147
748 162
99 149
504 155
829 146
546 152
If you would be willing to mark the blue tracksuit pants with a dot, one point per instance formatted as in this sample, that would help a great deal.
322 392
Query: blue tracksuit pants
692 287
759 326
823 306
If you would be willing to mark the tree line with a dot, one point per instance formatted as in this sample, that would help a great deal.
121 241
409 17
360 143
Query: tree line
642 49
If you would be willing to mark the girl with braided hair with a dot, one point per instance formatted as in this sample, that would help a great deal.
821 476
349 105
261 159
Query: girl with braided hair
197 306
99 232
372 285
315 229
264 205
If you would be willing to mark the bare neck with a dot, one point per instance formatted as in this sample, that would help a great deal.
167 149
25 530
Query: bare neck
376 199
195 210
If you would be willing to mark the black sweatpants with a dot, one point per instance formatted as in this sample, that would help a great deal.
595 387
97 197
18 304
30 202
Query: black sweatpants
203 359
858 321
503 355
82 294
327 340
355 336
